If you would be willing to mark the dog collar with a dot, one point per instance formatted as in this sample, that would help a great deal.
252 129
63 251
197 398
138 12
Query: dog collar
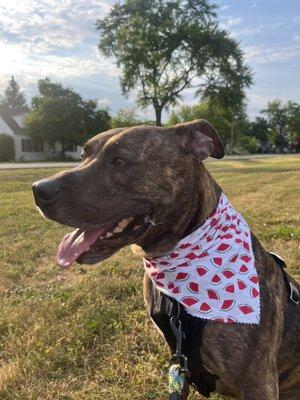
211 272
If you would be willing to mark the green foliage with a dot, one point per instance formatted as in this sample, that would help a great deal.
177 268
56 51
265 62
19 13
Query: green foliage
166 46
95 120
218 116
247 144
13 98
283 122
126 117
7 147
259 129
293 114
60 114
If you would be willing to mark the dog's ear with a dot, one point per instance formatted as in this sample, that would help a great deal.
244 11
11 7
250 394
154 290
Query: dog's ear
200 139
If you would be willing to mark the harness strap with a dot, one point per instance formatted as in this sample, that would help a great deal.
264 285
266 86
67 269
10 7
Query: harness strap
162 309
293 291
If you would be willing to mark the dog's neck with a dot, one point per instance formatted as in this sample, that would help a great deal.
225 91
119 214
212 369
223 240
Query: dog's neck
201 203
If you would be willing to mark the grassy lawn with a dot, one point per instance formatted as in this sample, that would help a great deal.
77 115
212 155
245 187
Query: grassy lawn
84 334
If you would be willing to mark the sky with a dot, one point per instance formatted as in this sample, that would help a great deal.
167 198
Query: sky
58 39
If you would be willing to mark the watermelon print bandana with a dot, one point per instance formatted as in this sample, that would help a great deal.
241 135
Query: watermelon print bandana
211 272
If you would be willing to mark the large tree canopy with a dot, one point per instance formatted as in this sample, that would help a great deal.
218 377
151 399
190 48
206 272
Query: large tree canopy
14 98
60 114
165 46
283 122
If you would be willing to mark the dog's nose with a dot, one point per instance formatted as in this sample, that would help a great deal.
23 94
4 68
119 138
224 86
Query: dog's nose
45 190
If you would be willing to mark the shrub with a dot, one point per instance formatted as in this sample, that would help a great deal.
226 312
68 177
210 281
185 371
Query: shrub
7 147
247 144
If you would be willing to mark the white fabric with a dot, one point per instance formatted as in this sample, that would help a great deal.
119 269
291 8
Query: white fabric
211 272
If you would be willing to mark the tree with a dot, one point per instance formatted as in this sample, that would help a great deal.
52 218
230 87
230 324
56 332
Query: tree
126 117
60 114
283 121
95 120
13 98
229 94
259 129
7 147
218 116
293 114
166 46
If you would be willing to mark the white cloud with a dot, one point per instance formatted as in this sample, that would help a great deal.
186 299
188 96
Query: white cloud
45 26
53 38
276 54
230 22
225 7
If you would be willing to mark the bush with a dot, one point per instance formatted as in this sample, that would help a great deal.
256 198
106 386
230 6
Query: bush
7 147
247 144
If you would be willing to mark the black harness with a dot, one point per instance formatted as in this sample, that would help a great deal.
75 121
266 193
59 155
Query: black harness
163 310
183 333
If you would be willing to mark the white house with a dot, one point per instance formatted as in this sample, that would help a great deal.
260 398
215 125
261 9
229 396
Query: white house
25 148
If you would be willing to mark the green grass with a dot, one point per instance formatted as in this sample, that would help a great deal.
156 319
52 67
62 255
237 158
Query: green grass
84 333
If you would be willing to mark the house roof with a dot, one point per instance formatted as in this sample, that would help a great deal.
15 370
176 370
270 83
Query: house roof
7 116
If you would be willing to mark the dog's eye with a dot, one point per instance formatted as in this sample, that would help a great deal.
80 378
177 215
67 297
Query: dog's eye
120 162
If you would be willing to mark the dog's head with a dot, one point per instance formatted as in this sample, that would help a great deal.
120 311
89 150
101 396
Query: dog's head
130 184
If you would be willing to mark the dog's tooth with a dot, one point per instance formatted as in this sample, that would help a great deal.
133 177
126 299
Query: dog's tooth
124 222
118 229
136 227
101 237
109 234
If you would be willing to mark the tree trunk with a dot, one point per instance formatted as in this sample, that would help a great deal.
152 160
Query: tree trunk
231 136
158 111
62 153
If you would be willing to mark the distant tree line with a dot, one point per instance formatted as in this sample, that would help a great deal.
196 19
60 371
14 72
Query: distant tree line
276 129
163 48
58 113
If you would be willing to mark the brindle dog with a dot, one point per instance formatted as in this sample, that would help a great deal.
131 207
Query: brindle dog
152 179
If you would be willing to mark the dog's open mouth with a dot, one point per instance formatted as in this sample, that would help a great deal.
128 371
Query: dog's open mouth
91 246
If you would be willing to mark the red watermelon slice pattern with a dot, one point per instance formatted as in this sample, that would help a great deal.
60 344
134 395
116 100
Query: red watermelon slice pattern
185 246
241 284
193 287
202 271
229 288
254 292
216 279
223 248
213 294
205 308
189 301
184 264
246 309
187 273
254 278
228 273
217 262
182 276
227 305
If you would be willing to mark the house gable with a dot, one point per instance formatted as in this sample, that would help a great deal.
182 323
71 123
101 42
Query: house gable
7 120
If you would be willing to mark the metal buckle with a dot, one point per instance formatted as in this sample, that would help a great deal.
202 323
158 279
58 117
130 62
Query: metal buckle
294 294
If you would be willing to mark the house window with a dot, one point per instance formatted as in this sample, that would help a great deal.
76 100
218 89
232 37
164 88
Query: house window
38 147
28 146
71 147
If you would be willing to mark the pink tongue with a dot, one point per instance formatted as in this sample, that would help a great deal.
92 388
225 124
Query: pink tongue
74 244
